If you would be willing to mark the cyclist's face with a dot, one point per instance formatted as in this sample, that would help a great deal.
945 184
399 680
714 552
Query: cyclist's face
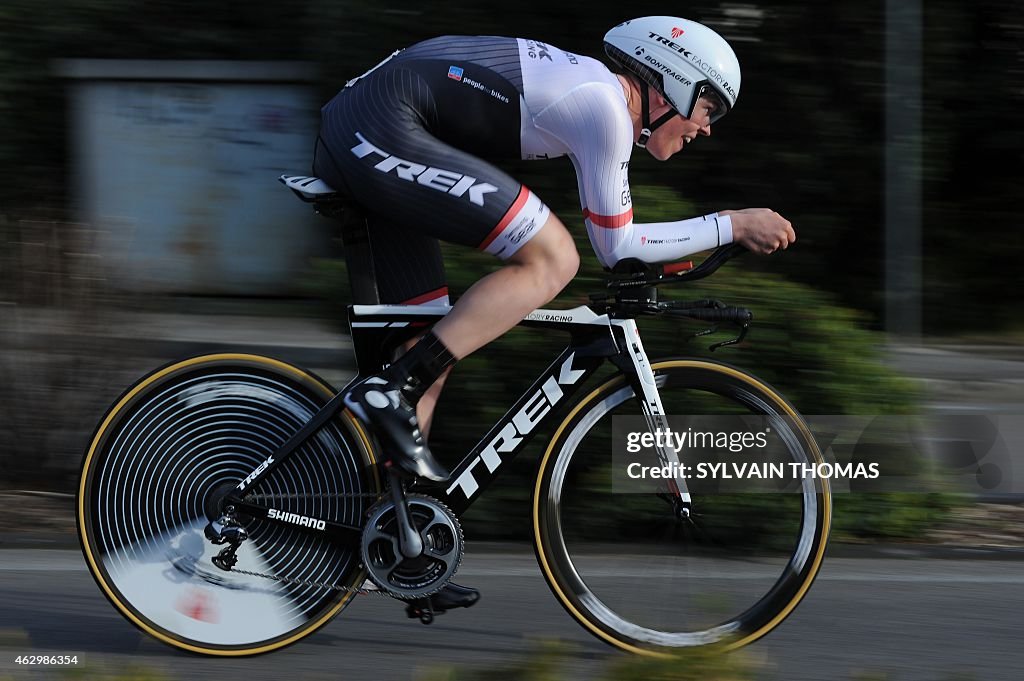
705 111
679 131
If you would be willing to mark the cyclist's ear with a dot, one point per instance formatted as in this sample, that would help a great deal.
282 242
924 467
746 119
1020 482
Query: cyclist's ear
657 99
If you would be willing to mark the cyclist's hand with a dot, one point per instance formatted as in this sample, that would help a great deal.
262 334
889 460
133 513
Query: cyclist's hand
760 230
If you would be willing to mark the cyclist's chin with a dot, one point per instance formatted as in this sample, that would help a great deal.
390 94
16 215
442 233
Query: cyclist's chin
661 154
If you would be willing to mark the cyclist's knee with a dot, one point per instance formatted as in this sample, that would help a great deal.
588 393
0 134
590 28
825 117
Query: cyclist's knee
569 259
552 253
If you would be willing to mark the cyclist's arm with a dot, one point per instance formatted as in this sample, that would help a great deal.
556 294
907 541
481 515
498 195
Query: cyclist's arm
594 124
663 241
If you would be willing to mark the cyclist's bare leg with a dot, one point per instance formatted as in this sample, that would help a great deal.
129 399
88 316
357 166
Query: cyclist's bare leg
493 305
532 277
536 273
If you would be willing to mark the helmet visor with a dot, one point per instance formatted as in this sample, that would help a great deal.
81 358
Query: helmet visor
708 102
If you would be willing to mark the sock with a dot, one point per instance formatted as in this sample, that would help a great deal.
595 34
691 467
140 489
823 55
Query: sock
417 369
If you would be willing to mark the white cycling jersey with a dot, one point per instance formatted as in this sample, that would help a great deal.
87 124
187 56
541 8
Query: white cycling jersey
573 105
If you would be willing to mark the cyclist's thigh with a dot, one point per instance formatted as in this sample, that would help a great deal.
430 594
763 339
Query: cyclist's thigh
375 143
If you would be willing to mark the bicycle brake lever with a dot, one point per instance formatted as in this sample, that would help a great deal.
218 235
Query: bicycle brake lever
738 339
705 332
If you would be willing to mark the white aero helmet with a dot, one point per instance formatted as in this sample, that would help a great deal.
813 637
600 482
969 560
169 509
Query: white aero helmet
681 59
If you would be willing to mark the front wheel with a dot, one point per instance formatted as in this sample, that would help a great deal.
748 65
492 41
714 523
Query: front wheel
648 580
152 474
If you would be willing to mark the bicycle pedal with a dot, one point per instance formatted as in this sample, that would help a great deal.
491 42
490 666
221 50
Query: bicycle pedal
425 615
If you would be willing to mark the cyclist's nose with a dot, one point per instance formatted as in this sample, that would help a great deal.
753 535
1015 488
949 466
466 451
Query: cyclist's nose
705 130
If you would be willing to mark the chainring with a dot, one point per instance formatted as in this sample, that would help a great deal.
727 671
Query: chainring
443 547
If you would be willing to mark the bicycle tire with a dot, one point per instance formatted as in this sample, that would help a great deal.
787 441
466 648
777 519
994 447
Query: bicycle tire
565 557
165 444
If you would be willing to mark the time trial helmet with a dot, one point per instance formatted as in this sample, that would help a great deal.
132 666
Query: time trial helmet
682 60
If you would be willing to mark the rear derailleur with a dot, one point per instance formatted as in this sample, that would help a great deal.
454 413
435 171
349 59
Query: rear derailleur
226 529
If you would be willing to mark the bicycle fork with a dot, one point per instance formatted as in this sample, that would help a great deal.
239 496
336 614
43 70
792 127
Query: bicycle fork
646 388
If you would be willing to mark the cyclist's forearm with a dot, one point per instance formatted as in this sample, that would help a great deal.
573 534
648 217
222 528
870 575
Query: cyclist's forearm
662 241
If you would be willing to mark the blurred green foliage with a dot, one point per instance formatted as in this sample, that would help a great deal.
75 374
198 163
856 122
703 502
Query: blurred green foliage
903 516
552 660
95 672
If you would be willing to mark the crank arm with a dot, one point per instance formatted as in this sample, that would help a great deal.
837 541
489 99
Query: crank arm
409 541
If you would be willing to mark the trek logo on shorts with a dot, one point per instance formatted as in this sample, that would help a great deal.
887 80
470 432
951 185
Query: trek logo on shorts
446 181
455 72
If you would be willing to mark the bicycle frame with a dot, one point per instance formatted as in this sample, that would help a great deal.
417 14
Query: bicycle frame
377 330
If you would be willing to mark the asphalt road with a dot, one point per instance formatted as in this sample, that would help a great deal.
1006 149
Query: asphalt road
909 619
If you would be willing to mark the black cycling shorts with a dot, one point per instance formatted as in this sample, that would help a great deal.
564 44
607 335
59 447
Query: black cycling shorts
378 145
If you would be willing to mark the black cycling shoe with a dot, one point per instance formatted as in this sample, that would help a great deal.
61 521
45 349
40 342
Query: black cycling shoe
450 597
382 405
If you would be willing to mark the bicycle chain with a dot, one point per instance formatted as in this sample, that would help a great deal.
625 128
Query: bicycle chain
306 582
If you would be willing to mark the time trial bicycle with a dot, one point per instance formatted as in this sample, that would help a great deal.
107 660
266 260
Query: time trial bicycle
229 505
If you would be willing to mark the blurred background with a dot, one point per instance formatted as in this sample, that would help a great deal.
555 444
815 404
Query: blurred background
141 220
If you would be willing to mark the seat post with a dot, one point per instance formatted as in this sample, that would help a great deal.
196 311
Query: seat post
362 278
355 236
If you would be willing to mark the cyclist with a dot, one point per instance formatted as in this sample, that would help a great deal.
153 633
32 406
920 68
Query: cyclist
408 139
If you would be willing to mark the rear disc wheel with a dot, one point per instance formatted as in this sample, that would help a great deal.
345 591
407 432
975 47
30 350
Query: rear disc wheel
160 460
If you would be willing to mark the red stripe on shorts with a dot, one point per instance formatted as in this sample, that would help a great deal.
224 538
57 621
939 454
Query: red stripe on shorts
517 206
427 297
